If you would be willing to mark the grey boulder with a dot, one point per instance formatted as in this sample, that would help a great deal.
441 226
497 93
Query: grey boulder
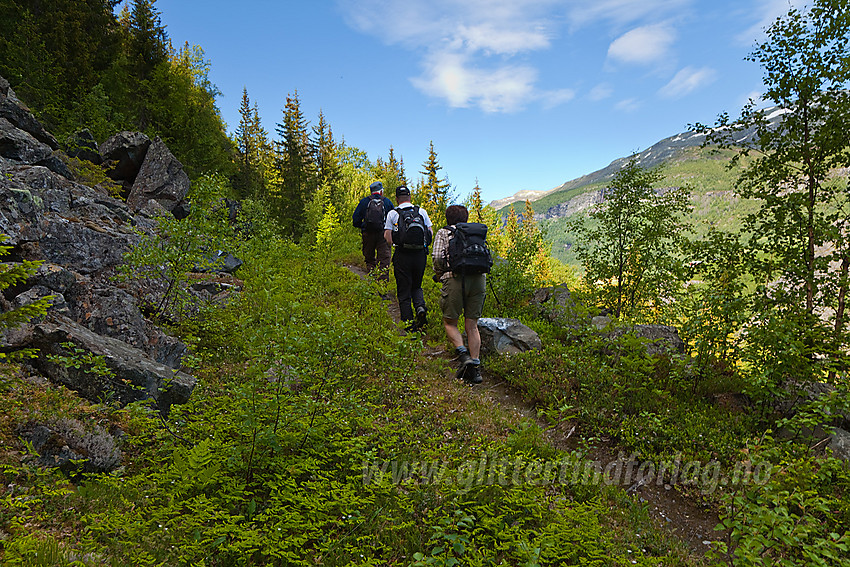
506 336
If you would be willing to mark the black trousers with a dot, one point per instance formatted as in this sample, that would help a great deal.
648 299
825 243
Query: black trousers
409 267
376 252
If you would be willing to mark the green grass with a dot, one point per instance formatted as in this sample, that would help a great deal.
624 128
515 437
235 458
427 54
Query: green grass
303 380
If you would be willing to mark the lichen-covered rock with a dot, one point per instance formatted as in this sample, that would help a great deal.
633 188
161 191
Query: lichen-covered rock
506 336
81 234
13 110
556 305
133 375
161 179
661 339
20 146
83 146
840 444
68 445
73 225
126 150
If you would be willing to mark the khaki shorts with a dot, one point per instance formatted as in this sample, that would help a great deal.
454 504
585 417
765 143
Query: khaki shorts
463 295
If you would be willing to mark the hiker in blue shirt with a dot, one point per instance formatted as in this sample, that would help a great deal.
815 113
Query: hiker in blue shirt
370 221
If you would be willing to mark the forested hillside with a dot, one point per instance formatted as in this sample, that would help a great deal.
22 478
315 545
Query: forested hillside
196 368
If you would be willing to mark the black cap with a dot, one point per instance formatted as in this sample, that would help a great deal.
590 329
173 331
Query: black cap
401 190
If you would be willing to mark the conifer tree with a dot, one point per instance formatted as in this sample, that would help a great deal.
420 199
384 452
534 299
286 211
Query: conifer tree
147 49
250 140
390 172
54 53
434 192
148 40
297 169
476 206
325 154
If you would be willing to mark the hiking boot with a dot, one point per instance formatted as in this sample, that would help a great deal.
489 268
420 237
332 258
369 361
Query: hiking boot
473 373
421 316
464 359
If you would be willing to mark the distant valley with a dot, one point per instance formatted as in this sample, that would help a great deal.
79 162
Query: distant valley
683 161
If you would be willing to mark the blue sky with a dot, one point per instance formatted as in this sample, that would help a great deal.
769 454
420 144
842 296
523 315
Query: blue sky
518 94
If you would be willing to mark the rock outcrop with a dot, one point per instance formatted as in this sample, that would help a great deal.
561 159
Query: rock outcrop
153 179
130 375
80 235
506 336
160 179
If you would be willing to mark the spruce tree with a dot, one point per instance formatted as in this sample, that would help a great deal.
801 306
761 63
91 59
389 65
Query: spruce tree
251 138
146 48
54 54
390 172
297 169
325 154
476 205
434 192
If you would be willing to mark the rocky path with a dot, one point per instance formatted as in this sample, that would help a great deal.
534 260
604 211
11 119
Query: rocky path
685 517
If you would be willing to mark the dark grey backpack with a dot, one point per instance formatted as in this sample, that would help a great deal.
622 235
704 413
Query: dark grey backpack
468 251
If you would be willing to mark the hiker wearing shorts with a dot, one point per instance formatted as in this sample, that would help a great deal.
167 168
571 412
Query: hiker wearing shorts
462 294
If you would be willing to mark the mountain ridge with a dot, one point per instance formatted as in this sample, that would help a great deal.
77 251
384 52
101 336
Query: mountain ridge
654 156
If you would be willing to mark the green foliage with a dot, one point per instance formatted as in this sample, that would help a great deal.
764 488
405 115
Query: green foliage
651 405
630 257
714 310
391 174
11 274
799 513
181 247
182 110
87 173
522 259
449 547
799 253
82 360
54 54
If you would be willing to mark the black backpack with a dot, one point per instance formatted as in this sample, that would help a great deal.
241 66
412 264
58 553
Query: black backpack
411 233
468 251
373 219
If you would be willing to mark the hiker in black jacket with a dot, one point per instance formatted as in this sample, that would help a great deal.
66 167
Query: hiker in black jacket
376 251
408 230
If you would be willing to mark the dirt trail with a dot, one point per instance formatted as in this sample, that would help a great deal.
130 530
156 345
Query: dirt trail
688 519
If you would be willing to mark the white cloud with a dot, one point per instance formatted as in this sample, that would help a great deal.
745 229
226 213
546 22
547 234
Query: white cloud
600 92
495 26
621 12
687 81
483 52
488 37
467 46
766 12
628 105
552 99
451 77
643 45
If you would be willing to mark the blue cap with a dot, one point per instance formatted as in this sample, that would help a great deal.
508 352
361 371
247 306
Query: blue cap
376 187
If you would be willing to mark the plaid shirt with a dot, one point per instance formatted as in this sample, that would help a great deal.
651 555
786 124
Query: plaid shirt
440 253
